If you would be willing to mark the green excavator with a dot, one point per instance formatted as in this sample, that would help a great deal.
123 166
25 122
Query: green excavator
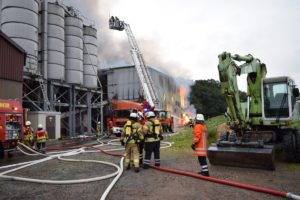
269 118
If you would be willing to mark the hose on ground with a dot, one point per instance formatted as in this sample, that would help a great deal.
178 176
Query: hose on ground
231 183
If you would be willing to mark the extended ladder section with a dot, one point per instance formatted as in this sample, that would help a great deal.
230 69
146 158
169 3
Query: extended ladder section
45 96
142 70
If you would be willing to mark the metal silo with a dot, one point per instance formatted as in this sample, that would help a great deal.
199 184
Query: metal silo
56 42
19 20
89 57
74 50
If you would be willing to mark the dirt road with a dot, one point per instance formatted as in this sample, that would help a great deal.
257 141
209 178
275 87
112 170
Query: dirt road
148 184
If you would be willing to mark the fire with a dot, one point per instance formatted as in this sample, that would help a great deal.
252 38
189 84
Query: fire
182 94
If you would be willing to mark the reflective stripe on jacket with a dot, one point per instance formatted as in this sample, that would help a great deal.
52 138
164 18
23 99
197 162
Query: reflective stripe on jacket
200 139
41 136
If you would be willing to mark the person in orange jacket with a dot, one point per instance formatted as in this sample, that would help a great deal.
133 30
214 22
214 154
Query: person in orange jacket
41 136
28 134
199 144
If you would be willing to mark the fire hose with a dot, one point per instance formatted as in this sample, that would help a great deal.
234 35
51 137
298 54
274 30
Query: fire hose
287 195
120 170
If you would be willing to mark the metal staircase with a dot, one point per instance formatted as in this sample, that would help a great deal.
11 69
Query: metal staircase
142 70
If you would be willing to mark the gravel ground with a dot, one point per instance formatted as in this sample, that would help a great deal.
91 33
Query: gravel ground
148 184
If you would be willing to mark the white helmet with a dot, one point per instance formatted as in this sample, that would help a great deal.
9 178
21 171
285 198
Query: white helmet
133 115
40 126
150 114
27 123
200 117
99 123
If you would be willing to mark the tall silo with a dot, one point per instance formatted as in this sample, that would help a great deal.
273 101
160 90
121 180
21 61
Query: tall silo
89 57
19 20
56 42
74 50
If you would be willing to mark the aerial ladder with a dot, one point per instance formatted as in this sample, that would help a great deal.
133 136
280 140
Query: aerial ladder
142 70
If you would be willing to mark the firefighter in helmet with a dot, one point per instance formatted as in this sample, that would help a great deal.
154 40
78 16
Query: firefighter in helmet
28 134
98 129
153 134
130 138
41 136
199 143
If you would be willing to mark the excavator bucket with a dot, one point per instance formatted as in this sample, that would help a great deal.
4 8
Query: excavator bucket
248 157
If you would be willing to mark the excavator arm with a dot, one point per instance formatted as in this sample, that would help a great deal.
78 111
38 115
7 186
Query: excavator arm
236 147
240 115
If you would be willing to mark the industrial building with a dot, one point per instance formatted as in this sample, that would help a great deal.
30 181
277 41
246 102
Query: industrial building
59 79
123 83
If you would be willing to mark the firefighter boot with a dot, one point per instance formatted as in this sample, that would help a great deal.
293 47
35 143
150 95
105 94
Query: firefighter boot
204 173
145 166
136 169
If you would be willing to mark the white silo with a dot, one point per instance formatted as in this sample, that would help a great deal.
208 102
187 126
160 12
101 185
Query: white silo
74 50
90 57
56 42
19 20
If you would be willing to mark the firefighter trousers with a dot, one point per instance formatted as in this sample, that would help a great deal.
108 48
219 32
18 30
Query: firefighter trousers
132 151
203 163
41 146
141 149
155 148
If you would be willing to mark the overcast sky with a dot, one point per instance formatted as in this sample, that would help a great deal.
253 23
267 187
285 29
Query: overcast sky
184 37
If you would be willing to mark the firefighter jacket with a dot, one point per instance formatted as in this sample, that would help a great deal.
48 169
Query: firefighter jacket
200 140
41 136
152 131
28 133
132 132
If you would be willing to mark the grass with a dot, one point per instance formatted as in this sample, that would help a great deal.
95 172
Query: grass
183 140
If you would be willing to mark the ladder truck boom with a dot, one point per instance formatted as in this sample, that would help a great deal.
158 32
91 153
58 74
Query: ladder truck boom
142 70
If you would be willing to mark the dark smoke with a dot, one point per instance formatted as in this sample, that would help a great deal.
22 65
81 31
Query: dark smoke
113 52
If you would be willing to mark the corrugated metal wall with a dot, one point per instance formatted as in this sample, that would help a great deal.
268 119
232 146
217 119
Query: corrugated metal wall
123 82
11 61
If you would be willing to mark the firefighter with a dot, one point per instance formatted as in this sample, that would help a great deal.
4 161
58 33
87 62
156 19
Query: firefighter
153 134
199 144
41 136
28 134
141 144
98 129
110 127
130 138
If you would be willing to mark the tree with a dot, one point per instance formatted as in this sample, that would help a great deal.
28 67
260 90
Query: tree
207 98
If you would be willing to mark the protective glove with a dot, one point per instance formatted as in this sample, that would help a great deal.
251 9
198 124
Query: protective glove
193 146
161 137
122 143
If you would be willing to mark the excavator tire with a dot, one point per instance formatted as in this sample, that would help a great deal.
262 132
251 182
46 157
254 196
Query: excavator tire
289 145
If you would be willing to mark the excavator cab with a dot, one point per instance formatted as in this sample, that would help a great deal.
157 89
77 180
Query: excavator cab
279 100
